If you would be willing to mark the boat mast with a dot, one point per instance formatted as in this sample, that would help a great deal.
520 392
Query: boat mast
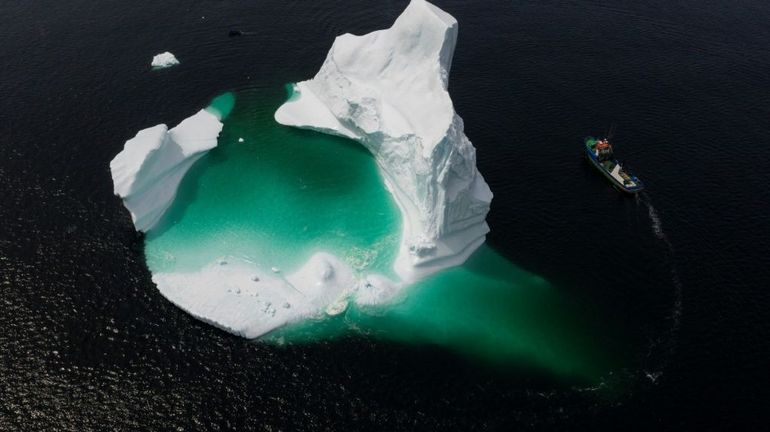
610 132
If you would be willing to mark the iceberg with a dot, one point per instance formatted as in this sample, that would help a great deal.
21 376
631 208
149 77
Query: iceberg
147 173
164 60
388 91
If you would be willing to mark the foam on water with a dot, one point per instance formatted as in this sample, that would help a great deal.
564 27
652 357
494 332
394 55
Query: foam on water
669 338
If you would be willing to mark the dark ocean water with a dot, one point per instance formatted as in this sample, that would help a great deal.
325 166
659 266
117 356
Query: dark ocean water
680 276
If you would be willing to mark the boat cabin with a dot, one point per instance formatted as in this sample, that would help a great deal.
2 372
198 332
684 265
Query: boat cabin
603 150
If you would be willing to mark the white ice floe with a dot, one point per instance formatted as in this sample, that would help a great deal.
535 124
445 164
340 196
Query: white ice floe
388 90
147 173
164 60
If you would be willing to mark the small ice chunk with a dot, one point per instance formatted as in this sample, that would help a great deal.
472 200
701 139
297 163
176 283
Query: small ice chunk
337 307
240 140
275 269
164 60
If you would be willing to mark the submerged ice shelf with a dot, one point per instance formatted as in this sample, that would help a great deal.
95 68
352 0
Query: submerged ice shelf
386 90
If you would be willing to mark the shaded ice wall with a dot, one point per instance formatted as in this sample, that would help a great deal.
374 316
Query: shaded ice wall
388 90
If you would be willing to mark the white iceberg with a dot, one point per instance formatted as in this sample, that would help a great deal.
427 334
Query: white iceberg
147 173
164 60
388 90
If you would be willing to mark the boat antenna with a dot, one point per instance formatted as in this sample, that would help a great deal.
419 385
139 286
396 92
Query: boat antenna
611 131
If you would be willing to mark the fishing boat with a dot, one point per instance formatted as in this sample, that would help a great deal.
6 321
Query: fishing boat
599 153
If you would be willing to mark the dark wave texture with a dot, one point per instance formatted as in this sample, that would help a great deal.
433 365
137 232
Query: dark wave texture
87 343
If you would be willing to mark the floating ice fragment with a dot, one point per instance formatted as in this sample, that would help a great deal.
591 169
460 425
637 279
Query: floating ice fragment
337 307
164 60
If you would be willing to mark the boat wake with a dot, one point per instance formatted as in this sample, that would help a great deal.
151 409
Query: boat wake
657 228
666 343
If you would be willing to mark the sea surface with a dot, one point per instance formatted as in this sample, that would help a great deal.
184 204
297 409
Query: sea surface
584 310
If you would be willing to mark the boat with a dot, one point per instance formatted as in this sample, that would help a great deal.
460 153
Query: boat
599 153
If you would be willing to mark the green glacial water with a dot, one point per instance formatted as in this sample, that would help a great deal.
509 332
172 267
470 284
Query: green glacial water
283 194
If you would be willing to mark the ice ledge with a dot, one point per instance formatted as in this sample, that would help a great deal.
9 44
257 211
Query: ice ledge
147 173
241 298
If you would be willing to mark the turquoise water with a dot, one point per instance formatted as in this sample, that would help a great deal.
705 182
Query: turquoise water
275 199
222 105
283 194
487 309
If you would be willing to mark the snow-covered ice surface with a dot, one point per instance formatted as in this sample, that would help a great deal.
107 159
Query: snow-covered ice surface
164 60
246 300
243 298
147 173
388 90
